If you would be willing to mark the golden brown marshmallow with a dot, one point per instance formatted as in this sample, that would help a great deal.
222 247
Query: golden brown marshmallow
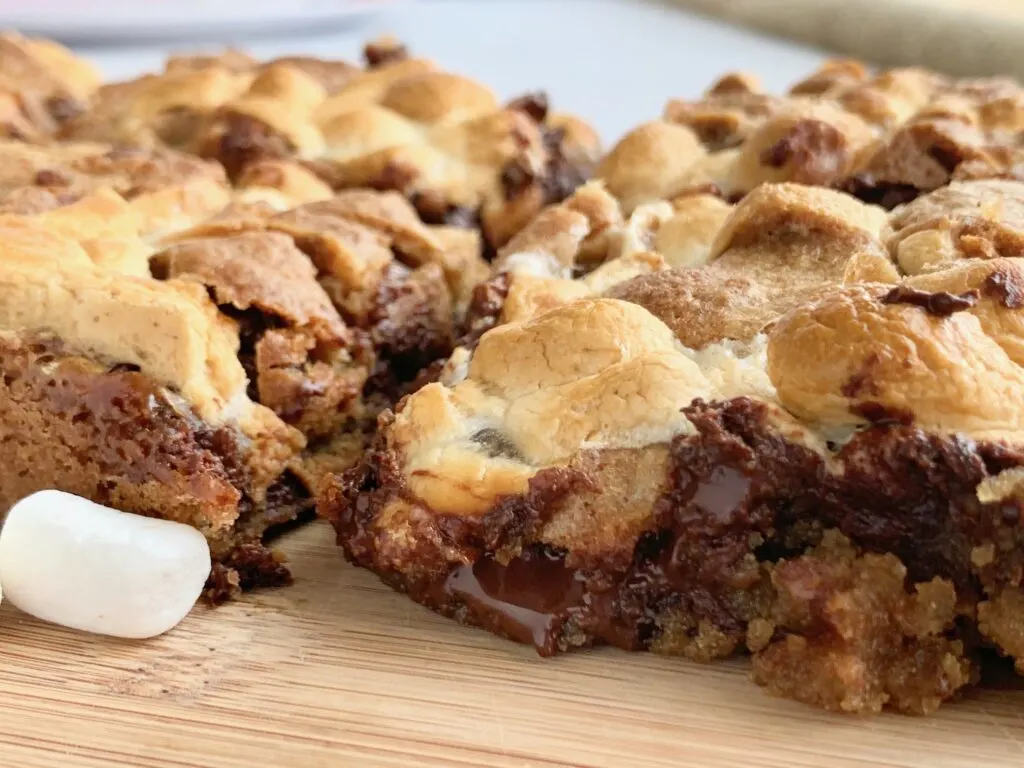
973 219
650 163
864 354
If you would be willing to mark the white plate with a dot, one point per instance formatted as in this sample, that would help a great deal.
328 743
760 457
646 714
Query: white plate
136 20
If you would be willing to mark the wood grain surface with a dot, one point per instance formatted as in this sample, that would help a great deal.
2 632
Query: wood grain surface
340 671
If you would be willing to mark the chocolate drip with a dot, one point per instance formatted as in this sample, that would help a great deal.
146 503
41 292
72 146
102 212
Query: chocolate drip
530 600
940 304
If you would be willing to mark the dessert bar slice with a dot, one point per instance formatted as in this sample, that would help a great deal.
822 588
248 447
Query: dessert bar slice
180 348
129 391
799 441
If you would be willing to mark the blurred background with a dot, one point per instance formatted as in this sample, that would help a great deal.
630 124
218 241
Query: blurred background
615 61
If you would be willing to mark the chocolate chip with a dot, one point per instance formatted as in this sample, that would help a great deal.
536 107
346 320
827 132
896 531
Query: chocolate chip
940 304
778 154
384 52
63 108
534 104
516 178
1005 288
244 141
562 175
124 368
887 195
48 177
485 305
433 208
814 149
395 176
496 443
882 415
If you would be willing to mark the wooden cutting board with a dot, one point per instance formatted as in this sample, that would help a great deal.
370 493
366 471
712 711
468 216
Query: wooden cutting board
340 671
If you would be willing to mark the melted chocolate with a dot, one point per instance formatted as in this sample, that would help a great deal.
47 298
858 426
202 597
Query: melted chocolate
378 54
940 304
244 141
410 326
496 444
535 104
529 600
815 150
121 439
558 179
485 305
1004 288
252 324
880 414
433 208
48 177
563 174
884 194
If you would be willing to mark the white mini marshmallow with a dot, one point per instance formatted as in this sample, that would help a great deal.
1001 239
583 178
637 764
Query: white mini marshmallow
68 560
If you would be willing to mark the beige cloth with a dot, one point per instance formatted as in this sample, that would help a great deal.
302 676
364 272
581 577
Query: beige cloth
962 37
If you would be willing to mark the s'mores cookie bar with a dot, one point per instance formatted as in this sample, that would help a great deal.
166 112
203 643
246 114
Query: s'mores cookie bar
788 429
